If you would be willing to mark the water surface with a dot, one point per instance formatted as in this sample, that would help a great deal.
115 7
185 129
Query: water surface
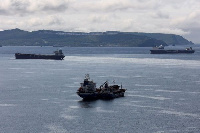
162 95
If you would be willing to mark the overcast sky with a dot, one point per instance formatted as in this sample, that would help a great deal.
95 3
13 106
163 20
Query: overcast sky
180 17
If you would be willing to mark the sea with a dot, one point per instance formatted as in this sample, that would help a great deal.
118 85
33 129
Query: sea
39 96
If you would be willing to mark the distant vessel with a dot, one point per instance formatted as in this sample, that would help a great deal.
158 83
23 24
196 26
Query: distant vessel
58 46
58 55
161 50
88 90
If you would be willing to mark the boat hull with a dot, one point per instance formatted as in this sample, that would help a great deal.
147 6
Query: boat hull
34 56
111 95
107 96
88 96
101 95
161 51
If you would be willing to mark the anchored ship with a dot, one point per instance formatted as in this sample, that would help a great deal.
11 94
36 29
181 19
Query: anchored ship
58 55
161 50
111 91
88 90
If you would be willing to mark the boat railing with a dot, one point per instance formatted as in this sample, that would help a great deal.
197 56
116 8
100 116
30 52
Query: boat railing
190 48
159 47
58 52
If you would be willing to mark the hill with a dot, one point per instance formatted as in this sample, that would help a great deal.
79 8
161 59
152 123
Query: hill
170 39
17 37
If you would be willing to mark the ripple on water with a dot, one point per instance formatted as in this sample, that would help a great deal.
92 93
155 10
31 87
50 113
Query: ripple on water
173 112
7 105
149 97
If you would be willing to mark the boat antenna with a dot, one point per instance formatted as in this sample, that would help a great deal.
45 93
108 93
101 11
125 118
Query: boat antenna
121 85
87 76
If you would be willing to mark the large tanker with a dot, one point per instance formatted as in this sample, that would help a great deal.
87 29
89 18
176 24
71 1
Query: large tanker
161 50
58 55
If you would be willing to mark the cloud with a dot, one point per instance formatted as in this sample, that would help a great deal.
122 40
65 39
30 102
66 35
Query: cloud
113 5
191 21
28 7
169 16
161 15
49 5
98 18
190 24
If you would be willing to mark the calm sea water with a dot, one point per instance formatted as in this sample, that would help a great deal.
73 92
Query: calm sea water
39 96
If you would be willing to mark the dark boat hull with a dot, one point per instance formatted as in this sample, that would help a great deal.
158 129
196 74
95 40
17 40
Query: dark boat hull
111 95
34 56
161 51
88 96
101 95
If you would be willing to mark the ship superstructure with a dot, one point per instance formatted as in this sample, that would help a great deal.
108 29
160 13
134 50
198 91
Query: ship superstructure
88 89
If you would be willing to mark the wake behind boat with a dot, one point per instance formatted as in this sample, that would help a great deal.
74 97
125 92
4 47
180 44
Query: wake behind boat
88 90
161 50
58 55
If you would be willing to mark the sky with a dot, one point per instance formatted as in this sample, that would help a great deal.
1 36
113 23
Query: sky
181 17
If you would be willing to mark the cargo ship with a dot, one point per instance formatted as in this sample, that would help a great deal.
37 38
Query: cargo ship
58 55
89 91
161 50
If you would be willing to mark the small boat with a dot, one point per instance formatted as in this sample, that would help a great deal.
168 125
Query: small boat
88 90
158 50
111 91
58 55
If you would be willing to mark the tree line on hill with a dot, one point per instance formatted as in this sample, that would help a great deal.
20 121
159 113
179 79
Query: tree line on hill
17 37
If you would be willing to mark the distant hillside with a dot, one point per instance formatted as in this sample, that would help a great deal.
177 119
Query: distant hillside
17 37
169 39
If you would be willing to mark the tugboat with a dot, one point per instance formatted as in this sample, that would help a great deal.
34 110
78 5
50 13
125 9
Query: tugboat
161 50
58 55
112 91
88 90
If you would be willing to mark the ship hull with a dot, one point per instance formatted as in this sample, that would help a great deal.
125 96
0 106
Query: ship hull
161 51
88 96
111 95
34 56
107 96
101 95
